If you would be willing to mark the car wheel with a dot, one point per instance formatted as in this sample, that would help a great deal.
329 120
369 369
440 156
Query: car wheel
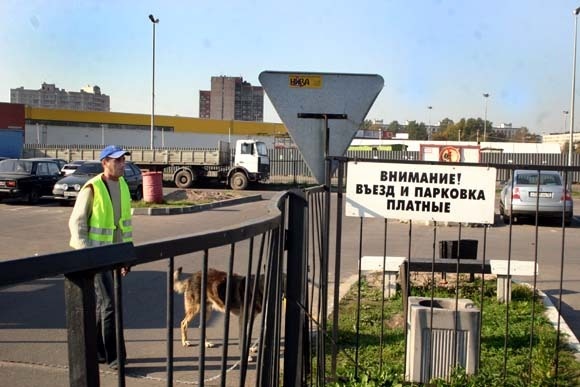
32 197
138 194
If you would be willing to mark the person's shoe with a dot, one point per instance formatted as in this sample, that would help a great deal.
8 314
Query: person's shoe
114 365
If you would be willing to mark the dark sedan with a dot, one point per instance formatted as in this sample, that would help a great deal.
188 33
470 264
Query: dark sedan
27 179
67 188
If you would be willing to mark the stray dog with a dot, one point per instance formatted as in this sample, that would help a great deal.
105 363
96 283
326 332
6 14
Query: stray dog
216 298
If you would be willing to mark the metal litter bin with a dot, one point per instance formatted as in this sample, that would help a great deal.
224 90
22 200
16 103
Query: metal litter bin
452 341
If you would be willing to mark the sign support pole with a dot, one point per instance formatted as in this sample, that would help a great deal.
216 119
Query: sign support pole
325 243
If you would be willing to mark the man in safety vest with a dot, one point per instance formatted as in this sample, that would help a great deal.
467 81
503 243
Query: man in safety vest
101 216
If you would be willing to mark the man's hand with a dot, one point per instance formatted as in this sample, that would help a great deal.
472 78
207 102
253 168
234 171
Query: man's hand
125 270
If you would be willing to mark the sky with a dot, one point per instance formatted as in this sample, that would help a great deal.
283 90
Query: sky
440 53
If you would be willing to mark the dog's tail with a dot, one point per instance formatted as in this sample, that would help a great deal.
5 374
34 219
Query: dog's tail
179 286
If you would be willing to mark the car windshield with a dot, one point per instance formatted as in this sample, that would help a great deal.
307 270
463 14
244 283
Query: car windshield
89 169
16 166
532 178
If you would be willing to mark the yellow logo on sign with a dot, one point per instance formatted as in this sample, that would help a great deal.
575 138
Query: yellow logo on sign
305 81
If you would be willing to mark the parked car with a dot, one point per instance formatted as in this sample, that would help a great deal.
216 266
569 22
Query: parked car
69 168
60 162
67 188
27 179
552 199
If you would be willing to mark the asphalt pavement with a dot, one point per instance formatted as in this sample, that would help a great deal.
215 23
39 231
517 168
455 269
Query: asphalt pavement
33 334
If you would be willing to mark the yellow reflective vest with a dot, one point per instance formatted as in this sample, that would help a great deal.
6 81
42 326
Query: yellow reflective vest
102 221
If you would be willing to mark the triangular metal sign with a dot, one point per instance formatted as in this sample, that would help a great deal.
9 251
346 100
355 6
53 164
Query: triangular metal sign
302 100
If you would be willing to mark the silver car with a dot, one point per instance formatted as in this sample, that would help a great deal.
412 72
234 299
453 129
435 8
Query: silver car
521 196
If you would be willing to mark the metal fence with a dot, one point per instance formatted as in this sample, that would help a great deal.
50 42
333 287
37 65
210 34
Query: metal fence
433 351
288 166
306 249
255 248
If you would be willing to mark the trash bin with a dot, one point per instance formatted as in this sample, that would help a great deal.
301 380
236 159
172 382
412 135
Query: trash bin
452 341
451 249
153 187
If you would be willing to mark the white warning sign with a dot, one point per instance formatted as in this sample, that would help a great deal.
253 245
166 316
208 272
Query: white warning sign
439 193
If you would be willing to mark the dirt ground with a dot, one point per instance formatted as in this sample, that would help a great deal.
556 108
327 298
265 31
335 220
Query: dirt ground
203 196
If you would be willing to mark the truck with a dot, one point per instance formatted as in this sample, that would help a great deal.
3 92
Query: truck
248 162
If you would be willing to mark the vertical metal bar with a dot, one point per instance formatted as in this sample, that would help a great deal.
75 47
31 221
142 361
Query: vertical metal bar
561 286
203 317
535 279
169 317
265 365
295 295
79 291
337 264
431 338
228 305
455 359
244 317
262 334
381 339
406 288
119 340
360 236
482 293
508 285
278 297
325 253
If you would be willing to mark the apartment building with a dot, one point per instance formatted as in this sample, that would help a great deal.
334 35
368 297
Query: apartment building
89 98
232 98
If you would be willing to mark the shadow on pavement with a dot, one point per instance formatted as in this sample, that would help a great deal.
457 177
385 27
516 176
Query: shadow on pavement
41 305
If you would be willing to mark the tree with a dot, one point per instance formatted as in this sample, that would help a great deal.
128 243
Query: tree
394 127
366 125
417 131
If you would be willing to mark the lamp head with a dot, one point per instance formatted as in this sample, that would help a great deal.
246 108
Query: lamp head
576 11
153 20
486 95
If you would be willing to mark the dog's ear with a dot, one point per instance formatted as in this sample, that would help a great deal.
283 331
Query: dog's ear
178 270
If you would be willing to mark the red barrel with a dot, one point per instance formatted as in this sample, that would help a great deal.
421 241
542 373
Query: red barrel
153 187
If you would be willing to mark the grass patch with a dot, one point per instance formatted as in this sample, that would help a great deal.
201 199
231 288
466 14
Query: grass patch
523 367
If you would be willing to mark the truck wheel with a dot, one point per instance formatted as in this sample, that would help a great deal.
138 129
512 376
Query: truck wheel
183 179
239 181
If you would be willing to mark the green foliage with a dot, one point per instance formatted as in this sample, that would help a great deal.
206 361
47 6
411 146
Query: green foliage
528 360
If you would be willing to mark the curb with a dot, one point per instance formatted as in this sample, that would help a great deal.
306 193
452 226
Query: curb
552 314
197 208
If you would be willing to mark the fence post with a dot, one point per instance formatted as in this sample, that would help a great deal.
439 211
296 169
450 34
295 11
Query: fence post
296 284
79 290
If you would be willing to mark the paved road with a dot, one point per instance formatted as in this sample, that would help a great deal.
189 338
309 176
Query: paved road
33 335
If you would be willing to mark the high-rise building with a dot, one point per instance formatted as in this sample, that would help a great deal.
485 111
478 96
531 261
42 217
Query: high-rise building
89 98
232 98
204 103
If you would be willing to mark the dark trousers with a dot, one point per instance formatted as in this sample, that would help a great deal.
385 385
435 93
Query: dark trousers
106 332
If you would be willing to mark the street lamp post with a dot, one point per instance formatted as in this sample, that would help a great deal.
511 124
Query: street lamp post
154 21
571 144
430 130
485 95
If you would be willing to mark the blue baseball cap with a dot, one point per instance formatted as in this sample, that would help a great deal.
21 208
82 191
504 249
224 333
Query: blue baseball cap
113 151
